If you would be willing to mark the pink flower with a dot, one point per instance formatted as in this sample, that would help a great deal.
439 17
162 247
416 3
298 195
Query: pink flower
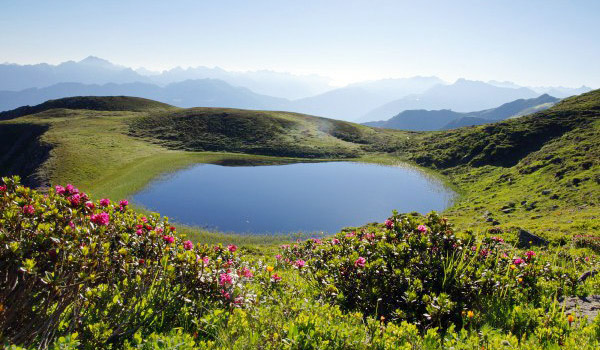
275 278
101 219
224 279
28 209
159 230
350 234
72 224
246 272
139 232
188 245
422 228
59 189
335 241
285 246
105 202
75 199
497 239
232 248
144 219
518 261
205 259
530 254
169 239
300 263
389 223
3 188
225 294
124 203
89 205
278 256
360 262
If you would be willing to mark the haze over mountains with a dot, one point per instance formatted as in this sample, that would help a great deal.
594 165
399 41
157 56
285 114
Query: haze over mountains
215 87
424 120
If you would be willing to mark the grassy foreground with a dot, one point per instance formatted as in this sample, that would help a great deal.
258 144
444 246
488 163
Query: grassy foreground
453 281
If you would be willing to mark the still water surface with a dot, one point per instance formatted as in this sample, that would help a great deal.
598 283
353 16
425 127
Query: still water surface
300 197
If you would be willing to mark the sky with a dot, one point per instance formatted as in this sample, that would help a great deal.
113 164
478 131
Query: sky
529 42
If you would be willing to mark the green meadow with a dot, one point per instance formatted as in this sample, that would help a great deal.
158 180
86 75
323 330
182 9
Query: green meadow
457 279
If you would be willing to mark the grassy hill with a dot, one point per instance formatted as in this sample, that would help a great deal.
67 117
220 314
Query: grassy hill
539 172
132 280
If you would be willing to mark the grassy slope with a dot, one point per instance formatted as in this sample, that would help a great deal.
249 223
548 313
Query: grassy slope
540 172
115 153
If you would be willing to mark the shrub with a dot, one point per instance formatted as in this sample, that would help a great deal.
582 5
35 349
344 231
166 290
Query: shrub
100 269
416 269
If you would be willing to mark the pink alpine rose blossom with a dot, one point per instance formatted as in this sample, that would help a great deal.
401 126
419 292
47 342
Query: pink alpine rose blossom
360 262
232 248
75 199
60 190
225 278
124 203
389 223
169 239
422 228
300 263
105 202
188 245
28 209
101 219
275 278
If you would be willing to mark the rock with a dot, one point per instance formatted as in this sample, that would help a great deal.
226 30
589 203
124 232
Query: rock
526 237
490 219
495 222
546 192
554 196
584 276
523 202
508 210
582 306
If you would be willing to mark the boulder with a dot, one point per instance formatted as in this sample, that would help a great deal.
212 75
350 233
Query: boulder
527 239
582 306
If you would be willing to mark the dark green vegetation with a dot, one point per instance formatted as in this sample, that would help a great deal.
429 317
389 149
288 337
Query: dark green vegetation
96 274
422 120
259 132
539 172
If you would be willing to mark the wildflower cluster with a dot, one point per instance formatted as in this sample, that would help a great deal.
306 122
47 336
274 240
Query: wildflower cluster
416 269
69 264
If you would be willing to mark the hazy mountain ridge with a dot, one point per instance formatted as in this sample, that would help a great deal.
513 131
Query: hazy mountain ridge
363 101
424 120
203 92
462 96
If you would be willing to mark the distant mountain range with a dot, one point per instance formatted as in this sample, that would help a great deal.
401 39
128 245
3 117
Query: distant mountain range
94 70
422 120
215 87
353 101
462 96
203 92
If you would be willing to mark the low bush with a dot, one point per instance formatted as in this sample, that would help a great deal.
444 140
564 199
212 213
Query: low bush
71 265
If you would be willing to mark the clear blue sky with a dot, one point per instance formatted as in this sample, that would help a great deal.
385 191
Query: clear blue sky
530 42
